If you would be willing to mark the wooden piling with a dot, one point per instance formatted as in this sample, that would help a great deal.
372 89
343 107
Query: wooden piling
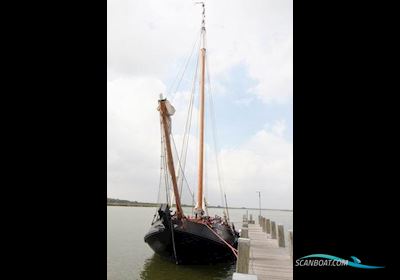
242 264
244 233
281 236
263 224
291 243
268 226
273 230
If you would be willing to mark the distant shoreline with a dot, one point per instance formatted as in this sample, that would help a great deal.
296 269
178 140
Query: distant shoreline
147 204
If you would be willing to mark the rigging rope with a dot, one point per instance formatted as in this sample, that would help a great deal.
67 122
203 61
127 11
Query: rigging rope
234 251
183 156
161 167
184 70
214 132
186 134
184 149
161 173
180 167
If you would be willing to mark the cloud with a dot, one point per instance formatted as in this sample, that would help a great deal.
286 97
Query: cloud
148 39
264 162
133 136
133 148
244 101
146 44
259 34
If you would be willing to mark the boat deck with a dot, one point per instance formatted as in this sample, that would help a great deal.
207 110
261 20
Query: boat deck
267 259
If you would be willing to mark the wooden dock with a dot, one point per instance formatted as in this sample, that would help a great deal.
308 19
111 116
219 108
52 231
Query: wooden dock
267 259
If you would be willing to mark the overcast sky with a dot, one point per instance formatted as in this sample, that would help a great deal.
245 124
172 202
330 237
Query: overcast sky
250 52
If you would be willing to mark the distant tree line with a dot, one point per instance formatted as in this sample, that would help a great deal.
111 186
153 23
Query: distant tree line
116 200
123 202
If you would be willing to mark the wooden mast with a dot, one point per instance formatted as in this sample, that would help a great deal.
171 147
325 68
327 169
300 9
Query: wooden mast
199 206
170 160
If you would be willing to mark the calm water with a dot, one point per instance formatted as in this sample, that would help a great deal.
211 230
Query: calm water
130 258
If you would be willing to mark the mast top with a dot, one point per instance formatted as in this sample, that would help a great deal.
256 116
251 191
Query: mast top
203 24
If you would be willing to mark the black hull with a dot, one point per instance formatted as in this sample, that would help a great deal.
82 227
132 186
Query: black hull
194 242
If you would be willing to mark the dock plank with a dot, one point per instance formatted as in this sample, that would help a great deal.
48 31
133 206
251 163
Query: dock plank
267 259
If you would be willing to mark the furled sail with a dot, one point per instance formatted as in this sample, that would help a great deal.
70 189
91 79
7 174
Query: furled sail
170 111
170 108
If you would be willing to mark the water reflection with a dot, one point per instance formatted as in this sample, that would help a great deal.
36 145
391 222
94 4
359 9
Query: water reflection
156 268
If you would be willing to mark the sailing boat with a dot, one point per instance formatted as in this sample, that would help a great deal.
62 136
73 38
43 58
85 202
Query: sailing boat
198 238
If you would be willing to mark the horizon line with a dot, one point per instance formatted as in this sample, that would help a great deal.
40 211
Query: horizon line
210 206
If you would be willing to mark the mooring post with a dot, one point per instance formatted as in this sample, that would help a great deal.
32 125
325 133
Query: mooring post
244 233
281 236
291 243
245 225
268 226
251 219
273 230
242 264
263 224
